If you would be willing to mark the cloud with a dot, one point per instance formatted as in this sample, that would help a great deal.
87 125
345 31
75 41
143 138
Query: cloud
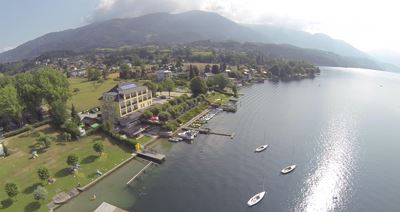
370 27
108 9
237 10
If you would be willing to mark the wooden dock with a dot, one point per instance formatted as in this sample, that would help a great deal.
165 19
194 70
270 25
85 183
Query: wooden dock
209 131
152 156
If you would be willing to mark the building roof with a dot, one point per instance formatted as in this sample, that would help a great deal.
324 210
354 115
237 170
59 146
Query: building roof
106 207
126 120
124 88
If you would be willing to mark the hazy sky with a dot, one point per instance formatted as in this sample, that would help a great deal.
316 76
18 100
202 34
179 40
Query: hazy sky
366 24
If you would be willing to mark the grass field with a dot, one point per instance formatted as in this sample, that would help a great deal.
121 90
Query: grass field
19 168
144 139
89 92
218 98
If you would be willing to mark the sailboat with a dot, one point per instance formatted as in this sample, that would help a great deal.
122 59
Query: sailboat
256 198
259 196
289 168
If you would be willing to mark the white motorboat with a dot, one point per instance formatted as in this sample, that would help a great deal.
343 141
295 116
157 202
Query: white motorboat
187 135
288 169
261 148
256 199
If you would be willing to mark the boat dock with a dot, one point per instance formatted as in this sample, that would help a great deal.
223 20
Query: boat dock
209 131
152 156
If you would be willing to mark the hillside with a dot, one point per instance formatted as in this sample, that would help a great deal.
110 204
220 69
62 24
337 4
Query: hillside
164 28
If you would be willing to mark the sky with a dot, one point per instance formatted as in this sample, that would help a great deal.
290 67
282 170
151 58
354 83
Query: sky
366 24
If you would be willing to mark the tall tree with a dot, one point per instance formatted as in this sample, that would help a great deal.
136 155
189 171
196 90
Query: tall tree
10 106
74 115
93 74
198 86
168 85
151 86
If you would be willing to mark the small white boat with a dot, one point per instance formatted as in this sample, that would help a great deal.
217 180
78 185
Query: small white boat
256 198
288 169
261 148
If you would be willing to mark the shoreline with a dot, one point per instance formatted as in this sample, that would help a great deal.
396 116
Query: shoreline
148 144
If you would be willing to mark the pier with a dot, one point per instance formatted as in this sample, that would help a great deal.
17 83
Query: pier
152 156
209 131
134 177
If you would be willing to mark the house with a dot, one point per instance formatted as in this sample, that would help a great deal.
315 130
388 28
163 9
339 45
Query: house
78 73
2 153
124 100
133 131
163 74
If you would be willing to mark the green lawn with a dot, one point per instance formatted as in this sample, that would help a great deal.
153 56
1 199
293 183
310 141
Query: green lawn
20 169
218 98
89 92
144 139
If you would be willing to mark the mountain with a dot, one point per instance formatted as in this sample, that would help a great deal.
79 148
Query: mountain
390 59
282 35
159 27
164 28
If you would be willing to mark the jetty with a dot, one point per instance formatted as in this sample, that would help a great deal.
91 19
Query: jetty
152 156
209 131
142 170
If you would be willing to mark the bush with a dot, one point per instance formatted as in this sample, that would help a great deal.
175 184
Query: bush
117 137
170 126
163 116
43 173
72 159
147 114
24 129
71 128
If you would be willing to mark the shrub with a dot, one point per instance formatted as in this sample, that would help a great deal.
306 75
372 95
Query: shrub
164 116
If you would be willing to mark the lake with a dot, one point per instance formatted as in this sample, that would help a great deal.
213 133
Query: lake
341 129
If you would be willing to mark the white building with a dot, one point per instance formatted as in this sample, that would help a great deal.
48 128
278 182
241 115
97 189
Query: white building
163 74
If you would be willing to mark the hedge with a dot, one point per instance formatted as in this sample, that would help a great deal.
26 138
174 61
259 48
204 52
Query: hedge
125 141
25 128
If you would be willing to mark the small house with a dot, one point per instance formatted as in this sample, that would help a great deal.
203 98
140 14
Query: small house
2 152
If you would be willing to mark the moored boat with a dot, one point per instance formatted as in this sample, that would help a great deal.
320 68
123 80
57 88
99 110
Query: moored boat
288 169
261 148
256 199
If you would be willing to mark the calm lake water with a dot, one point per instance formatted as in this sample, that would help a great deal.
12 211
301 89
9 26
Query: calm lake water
340 129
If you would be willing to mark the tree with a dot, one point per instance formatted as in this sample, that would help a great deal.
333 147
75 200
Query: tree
234 90
147 114
66 136
219 80
71 128
58 113
43 173
40 193
98 147
93 74
45 139
10 106
163 116
198 86
151 86
215 69
11 190
74 115
72 159
168 85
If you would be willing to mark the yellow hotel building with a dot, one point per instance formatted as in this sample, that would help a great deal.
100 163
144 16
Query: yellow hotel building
124 100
